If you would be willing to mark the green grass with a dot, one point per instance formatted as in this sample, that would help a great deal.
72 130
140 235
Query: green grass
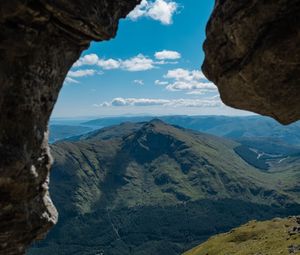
165 189
269 237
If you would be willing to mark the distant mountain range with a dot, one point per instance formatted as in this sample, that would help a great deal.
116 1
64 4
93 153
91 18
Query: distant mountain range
242 128
60 132
154 188
225 126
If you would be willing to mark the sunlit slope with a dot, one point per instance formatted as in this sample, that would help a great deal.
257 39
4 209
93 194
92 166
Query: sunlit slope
278 236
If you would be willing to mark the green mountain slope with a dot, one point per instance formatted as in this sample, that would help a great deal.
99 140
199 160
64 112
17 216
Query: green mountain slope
278 236
152 188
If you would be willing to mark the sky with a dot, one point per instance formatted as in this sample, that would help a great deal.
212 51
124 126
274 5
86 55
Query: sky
152 67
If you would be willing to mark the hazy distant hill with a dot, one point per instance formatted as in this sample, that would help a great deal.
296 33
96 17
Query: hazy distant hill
153 188
59 132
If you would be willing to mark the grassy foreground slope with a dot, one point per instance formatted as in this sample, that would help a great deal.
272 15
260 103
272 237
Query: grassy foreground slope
277 236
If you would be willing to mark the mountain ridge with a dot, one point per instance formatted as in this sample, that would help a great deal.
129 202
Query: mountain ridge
115 186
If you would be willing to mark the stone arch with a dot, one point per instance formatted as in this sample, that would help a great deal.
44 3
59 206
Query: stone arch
41 39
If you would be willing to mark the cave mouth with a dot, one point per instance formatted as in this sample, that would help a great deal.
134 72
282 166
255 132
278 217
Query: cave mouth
40 43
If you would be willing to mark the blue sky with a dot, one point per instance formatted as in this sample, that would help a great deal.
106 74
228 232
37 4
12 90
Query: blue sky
151 67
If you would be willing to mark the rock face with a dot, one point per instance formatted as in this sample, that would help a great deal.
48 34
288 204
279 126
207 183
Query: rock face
39 42
253 56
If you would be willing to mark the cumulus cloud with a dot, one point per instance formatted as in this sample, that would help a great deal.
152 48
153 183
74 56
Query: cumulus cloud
90 59
196 92
69 80
160 10
134 64
109 64
192 82
138 63
81 73
167 54
94 60
78 74
139 11
190 86
138 82
183 74
121 102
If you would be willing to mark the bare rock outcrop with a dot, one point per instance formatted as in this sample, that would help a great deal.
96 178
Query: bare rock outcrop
39 42
253 56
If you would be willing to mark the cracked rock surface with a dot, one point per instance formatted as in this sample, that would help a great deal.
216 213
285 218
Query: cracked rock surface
253 56
39 42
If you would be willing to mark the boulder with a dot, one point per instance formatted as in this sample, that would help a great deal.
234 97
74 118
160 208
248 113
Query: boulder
253 56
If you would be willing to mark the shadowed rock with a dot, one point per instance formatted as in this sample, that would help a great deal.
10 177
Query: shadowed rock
39 42
253 56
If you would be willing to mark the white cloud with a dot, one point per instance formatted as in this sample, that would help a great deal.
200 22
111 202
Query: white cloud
183 74
91 59
121 102
163 62
109 64
94 60
197 92
78 74
192 82
81 73
201 103
198 75
69 80
160 10
190 86
177 74
158 82
139 82
138 63
134 64
163 11
139 11
167 54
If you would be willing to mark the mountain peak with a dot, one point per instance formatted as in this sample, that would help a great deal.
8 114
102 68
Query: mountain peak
157 121
116 187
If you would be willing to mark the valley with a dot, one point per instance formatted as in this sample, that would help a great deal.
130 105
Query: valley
154 188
